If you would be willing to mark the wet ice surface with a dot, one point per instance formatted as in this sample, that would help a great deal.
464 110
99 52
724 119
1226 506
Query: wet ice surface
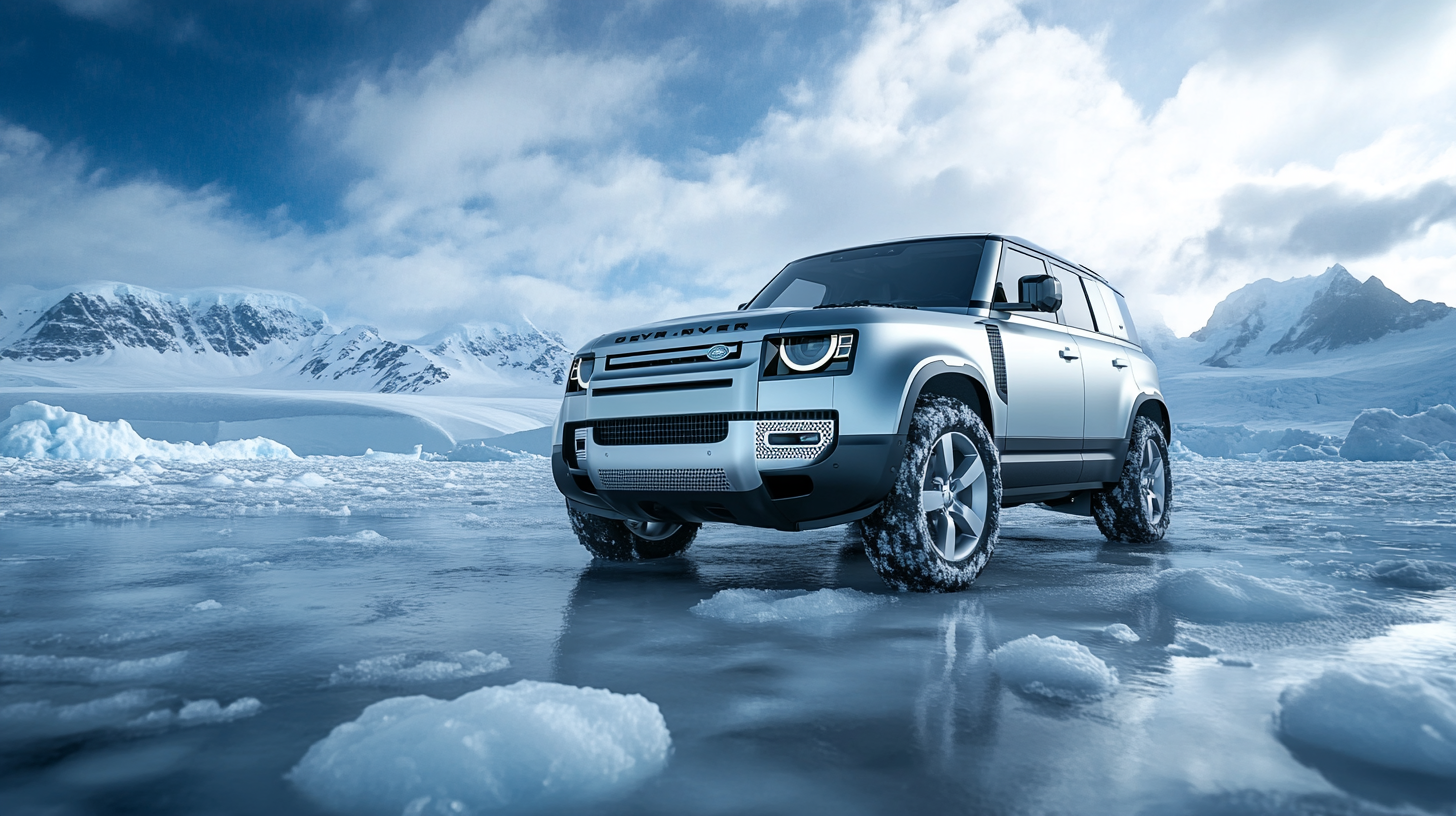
177 637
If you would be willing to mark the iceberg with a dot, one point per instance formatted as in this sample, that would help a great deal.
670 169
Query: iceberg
1382 435
35 430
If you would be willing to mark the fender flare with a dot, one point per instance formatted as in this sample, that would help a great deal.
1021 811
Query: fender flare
1158 412
934 368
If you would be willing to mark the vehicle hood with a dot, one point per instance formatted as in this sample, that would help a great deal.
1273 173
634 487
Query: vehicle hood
716 327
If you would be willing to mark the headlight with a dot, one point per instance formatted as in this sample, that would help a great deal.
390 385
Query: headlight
809 354
580 374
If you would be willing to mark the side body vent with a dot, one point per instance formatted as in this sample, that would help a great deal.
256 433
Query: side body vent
998 360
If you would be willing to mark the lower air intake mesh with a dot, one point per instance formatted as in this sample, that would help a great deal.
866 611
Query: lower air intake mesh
694 479
697 429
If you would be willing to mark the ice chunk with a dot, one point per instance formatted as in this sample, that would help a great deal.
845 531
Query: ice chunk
202 712
42 718
770 605
1191 442
1220 595
1184 646
367 538
1382 435
530 745
370 453
206 605
35 430
1122 632
1382 715
15 668
419 668
1055 668
1414 573
310 480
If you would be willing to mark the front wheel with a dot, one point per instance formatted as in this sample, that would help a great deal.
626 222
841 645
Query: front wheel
1137 508
630 540
939 525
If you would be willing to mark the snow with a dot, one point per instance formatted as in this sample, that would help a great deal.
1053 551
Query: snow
1057 669
35 430
399 669
1121 632
1383 715
1218 595
528 745
1382 435
777 606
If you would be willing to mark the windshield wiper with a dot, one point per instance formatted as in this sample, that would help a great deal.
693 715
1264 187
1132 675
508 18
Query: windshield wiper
864 303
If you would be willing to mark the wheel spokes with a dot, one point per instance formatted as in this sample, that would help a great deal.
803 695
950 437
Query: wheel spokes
966 518
967 474
932 501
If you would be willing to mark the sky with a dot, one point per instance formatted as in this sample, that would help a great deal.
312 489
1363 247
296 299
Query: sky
593 164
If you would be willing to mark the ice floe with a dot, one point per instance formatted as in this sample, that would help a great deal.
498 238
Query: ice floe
1121 632
1217 595
1382 435
1053 668
35 430
206 605
1382 715
203 712
14 667
43 718
1413 573
774 605
530 745
419 668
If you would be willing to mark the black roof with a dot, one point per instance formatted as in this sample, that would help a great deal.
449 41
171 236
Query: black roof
998 236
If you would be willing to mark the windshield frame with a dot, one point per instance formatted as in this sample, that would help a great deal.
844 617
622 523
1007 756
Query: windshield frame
989 245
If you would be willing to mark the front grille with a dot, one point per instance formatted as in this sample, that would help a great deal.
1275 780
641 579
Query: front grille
698 429
685 429
683 479
672 357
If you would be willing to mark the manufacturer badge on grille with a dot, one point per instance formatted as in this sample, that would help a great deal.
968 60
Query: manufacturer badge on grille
717 352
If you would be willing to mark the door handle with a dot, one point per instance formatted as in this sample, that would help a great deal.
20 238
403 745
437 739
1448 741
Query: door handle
1120 362
1066 354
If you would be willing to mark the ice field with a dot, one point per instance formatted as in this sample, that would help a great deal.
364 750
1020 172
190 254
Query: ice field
355 635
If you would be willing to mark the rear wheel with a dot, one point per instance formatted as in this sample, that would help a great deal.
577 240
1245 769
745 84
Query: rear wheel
939 525
1137 509
630 540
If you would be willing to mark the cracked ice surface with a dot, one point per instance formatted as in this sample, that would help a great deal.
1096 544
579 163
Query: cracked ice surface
176 637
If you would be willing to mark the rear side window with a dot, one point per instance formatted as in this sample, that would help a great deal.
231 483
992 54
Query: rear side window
1015 266
1111 312
1075 311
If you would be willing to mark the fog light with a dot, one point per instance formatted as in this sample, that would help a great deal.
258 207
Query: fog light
794 438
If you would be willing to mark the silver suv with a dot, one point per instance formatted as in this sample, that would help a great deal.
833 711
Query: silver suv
896 386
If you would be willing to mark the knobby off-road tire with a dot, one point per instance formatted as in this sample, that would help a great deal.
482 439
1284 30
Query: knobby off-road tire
1137 510
939 525
616 540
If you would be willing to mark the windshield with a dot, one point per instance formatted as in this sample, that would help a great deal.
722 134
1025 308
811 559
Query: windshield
920 274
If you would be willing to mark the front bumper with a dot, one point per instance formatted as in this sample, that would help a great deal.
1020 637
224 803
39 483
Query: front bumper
727 481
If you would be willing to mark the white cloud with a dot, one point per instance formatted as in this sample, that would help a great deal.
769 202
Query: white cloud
505 174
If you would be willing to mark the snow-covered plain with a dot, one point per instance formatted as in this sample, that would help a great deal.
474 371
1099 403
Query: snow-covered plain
210 636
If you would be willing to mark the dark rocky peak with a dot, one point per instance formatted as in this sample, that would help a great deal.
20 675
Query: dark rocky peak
240 328
83 325
359 356
1348 313
525 348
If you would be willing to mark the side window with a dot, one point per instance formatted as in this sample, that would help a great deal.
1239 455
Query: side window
1110 319
1015 266
1075 311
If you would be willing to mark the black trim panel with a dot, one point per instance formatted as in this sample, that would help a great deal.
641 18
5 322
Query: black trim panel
690 385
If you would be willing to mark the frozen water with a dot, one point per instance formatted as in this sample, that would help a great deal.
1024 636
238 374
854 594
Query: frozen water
402 669
1378 714
1054 668
1224 595
1272 574
207 605
767 605
38 431
1382 435
1121 632
527 745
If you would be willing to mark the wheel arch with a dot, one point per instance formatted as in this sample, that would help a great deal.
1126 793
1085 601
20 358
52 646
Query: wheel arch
1153 408
962 382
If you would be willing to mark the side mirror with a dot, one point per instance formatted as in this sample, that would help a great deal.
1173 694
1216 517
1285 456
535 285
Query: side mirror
1039 293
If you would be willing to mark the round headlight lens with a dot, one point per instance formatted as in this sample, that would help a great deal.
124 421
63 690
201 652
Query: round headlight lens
808 353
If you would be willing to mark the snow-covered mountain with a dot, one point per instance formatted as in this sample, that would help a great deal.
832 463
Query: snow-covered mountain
120 335
1310 352
1329 311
